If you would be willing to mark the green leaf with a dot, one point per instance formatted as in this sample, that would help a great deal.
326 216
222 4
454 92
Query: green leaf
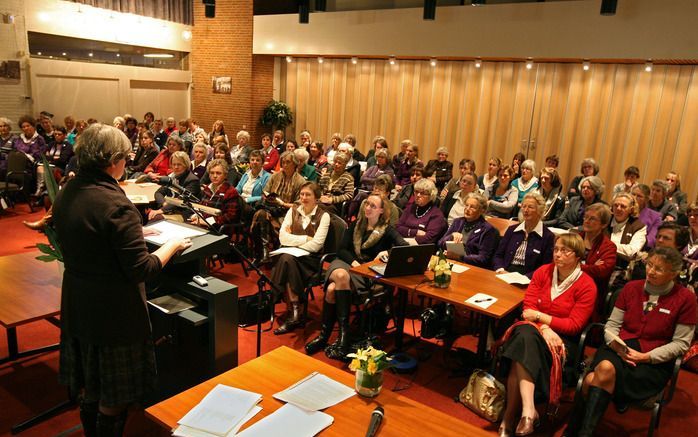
51 185
45 248
46 258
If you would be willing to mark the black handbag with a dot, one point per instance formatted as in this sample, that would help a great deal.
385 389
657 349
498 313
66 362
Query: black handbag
248 309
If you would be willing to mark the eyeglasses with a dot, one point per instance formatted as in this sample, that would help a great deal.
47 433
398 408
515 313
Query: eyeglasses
657 269
591 218
422 193
563 250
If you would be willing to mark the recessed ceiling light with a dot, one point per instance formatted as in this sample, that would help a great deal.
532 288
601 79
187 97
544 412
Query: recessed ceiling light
159 55
354 60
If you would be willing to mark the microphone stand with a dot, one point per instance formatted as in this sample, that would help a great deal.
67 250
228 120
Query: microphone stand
261 282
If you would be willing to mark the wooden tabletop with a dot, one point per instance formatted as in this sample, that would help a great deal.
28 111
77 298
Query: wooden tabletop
278 369
147 189
463 286
30 290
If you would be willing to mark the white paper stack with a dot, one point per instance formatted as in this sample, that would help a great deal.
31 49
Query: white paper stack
289 421
220 413
481 300
168 230
315 392
514 278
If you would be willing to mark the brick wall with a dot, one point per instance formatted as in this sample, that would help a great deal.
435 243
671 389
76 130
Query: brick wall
13 103
222 46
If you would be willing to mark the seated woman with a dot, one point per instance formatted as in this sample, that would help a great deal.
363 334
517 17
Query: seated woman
219 194
589 168
502 195
28 142
335 140
353 167
59 152
199 164
626 230
382 167
366 239
305 226
337 186
557 306
405 197
658 201
631 175
550 188
651 218
674 194
441 168
222 151
423 220
403 171
591 189
600 251
160 166
479 238
180 163
217 130
528 245
304 169
655 319
465 166
488 179
253 181
317 156
527 182
240 152
146 153
516 162
692 213
379 143
453 205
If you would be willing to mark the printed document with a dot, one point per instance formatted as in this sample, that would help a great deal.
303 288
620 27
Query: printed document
514 278
220 410
315 392
289 421
169 230
185 431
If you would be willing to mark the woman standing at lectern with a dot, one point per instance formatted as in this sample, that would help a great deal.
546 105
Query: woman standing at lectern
106 353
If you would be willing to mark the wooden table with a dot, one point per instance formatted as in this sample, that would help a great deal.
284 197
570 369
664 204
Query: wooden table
278 369
30 291
463 286
140 194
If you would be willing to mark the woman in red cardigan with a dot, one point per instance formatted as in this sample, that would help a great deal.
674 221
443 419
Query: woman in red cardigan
557 306
600 259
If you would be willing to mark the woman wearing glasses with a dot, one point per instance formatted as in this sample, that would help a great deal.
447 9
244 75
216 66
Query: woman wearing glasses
557 306
423 220
652 324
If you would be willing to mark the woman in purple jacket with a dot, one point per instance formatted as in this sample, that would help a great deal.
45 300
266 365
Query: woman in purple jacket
423 220
478 237
528 245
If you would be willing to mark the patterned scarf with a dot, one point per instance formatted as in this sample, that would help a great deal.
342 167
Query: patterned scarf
359 231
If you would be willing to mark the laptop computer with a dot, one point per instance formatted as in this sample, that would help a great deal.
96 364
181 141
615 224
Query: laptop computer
406 260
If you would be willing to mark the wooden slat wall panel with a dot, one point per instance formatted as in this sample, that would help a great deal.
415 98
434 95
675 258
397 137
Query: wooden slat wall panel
616 113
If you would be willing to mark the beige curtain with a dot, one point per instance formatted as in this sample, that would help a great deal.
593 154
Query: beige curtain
616 113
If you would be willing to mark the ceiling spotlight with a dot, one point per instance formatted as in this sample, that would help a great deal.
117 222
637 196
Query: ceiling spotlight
430 9
392 60
289 59
118 55
648 66
186 35
608 7
64 54
320 60
38 53
529 64
432 62
478 63
478 2
90 54
586 65
354 60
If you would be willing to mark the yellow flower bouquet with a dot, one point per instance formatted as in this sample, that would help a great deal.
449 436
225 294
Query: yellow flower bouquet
442 270
369 364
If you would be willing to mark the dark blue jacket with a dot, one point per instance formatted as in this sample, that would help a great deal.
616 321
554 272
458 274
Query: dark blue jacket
539 250
481 244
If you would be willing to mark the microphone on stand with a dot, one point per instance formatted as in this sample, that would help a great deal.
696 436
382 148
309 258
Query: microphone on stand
175 186
375 423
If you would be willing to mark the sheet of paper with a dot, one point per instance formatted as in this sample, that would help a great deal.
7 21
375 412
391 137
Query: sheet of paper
558 231
482 300
315 392
615 338
459 268
455 248
514 278
411 241
294 251
137 199
185 431
169 230
289 421
220 410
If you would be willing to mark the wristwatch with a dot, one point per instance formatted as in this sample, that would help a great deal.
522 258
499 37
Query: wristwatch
538 316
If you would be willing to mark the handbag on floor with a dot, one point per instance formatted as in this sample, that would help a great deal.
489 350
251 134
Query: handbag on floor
484 395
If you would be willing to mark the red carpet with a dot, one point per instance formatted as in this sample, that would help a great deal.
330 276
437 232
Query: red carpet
29 386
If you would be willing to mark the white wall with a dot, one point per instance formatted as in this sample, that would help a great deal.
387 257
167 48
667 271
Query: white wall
13 47
641 29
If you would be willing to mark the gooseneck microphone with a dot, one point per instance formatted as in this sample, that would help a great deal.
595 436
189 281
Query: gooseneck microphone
375 423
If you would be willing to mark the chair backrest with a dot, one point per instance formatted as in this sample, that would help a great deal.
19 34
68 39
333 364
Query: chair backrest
334 234
17 163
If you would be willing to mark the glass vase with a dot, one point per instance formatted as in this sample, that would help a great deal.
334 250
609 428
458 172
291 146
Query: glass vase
442 281
368 385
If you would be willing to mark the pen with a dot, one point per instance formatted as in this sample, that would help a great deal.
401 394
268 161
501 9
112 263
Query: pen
483 300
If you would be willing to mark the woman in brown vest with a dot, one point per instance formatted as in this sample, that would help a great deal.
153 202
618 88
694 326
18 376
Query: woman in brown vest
304 227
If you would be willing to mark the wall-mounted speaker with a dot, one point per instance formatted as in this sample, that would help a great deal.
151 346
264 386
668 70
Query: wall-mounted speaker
210 8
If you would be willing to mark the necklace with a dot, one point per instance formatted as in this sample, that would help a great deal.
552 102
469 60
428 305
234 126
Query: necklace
418 215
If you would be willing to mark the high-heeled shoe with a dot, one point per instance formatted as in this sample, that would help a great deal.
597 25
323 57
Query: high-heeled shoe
527 425
504 431
39 224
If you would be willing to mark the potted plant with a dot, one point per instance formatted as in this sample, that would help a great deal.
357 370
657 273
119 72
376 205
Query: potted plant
276 115
52 250
369 365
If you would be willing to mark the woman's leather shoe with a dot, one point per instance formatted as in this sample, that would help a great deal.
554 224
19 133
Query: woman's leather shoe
504 431
526 426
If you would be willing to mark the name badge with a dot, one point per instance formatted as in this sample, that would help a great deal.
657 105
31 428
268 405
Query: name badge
664 310
476 231
421 225
536 251
628 234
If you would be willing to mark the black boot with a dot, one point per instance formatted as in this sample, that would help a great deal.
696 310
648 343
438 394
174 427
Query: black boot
111 426
576 418
294 320
265 237
88 417
329 316
596 405
340 348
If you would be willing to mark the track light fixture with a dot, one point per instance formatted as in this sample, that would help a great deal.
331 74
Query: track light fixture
586 65
304 11
478 63
529 64
289 59
608 7
429 9
432 62
354 60
320 60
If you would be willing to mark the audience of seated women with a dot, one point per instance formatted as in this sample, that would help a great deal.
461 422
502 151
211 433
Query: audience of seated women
423 220
379 143
465 166
368 179
527 245
487 179
366 239
305 226
180 164
441 168
453 205
674 193
599 251
479 238
160 166
588 168
590 189
527 182
550 188
317 156
502 195
219 194
655 319
557 306
240 152
658 201
199 163
631 175
336 186
403 170
146 153
652 219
